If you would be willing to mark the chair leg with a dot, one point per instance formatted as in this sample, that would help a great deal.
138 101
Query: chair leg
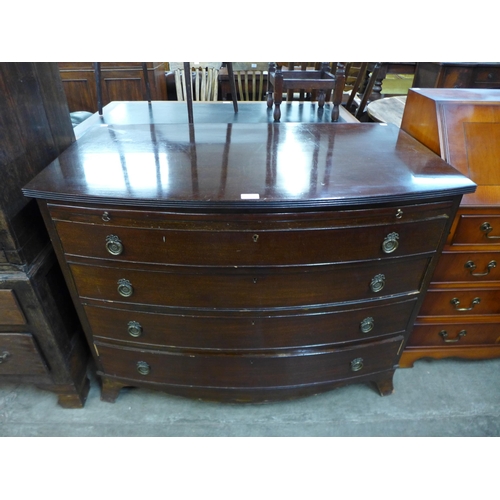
97 74
338 91
189 91
278 93
146 81
232 84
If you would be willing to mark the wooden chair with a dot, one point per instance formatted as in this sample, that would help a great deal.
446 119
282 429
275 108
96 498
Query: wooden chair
321 81
206 86
359 96
250 79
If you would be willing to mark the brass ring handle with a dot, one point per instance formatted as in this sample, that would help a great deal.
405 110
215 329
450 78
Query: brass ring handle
356 364
4 357
377 283
444 334
114 245
471 266
390 243
143 368
367 325
456 303
486 228
134 329
125 288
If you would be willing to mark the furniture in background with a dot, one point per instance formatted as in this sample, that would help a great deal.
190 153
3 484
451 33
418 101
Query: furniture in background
356 104
322 81
247 261
387 110
120 82
389 68
41 341
460 315
484 75
250 79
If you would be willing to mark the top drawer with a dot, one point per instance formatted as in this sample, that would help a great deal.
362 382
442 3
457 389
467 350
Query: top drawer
240 241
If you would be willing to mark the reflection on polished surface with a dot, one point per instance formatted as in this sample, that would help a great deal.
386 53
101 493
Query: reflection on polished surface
241 164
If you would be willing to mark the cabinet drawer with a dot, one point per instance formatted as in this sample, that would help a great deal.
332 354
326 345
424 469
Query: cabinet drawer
251 371
487 76
455 334
473 267
253 247
475 230
10 311
19 355
250 331
475 302
253 288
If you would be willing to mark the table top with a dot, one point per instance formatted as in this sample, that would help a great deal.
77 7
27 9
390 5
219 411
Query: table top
139 112
241 166
387 110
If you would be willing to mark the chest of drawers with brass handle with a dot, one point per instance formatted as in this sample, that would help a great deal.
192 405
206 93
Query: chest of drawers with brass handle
204 292
463 126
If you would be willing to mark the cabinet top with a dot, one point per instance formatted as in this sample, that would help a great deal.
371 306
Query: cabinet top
444 94
247 166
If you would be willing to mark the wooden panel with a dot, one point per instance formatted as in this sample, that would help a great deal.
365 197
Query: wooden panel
227 370
288 246
457 335
19 355
470 267
219 330
468 230
252 288
10 311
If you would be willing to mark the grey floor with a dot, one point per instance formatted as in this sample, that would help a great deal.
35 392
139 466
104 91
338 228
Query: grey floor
435 398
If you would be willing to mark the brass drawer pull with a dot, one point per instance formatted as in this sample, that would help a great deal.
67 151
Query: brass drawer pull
134 329
143 368
399 214
390 243
125 288
114 245
255 238
367 325
4 357
456 303
377 283
486 228
356 364
444 334
105 217
471 266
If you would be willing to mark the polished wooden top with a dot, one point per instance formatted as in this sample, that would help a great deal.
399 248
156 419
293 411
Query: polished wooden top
242 166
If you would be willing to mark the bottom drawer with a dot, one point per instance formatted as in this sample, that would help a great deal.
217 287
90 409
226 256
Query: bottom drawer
249 371
19 355
455 334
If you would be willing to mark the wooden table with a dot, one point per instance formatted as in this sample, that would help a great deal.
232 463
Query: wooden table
139 112
387 110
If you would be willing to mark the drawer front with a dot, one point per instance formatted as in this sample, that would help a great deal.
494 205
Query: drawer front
473 267
19 355
10 311
254 288
487 77
163 219
244 248
461 302
249 331
252 371
477 230
455 335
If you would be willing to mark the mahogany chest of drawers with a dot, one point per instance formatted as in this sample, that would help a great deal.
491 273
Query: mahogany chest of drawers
461 312
247 262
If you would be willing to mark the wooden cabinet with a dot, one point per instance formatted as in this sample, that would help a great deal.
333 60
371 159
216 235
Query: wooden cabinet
247 262
460 315
120 82
457 75
41 341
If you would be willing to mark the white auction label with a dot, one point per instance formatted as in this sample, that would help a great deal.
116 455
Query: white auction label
250 196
